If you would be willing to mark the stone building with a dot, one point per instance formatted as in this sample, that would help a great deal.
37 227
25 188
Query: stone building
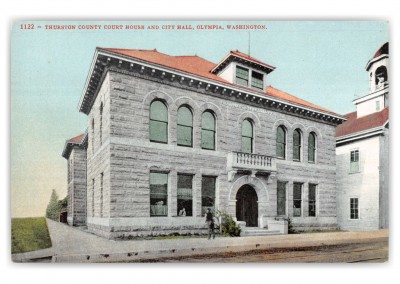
169 136
363 154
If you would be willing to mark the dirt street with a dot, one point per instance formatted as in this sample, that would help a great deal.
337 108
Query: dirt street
373 251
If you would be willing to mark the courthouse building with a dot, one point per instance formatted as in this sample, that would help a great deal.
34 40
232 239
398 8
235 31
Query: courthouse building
169 136
363 154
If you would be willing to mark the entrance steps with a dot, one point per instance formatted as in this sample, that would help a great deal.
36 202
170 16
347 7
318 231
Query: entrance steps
255 231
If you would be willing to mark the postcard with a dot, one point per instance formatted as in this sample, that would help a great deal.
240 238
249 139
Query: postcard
200 141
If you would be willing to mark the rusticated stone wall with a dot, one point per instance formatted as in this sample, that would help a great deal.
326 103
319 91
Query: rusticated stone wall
127 157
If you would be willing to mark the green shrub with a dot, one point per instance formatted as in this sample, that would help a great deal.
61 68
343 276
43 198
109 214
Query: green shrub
228 226
290 227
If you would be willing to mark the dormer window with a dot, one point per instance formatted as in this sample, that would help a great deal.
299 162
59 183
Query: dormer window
241 69
243 78
257 80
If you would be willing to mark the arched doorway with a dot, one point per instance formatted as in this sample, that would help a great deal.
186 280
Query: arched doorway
247 206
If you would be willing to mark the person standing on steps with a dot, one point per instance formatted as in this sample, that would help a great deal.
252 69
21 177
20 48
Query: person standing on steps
210 222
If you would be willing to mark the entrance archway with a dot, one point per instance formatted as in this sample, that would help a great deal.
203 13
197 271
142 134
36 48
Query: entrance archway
247 205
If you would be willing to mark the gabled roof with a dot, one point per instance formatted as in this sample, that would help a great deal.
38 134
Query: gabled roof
70 143
201 67
236 54
354 125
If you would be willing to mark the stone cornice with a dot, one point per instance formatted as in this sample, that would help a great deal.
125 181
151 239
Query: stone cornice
68 146
105 61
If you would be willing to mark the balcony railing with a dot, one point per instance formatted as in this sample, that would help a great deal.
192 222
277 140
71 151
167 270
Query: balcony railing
250 162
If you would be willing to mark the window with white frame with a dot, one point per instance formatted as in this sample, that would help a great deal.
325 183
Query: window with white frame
354 208
354 161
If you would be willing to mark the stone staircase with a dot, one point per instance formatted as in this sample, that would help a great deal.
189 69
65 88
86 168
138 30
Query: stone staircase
254 231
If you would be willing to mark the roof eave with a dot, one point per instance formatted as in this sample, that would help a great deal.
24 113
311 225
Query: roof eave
234 87
373 60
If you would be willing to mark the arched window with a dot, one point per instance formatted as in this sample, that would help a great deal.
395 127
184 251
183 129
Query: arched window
101 124
281 142
297 145
312 142
381 76
247 136
92 135
208 130
158 122
185 127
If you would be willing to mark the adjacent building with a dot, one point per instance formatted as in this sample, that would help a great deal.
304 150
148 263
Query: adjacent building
169 136
362 153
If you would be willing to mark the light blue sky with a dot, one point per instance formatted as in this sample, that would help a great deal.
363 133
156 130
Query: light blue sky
322 62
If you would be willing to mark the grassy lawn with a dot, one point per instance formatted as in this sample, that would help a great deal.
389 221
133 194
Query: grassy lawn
29 234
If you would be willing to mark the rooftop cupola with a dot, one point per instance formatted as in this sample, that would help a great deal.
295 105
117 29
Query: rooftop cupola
241 69
377 69
378 95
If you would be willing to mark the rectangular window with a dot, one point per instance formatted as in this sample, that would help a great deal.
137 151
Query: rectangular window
354 161
92 197
297 188
312 191
257 80
207 194
353 208
185 195
281 198
92 136
242 76
101 194
158 194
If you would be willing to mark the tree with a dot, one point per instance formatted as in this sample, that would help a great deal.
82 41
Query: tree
53 208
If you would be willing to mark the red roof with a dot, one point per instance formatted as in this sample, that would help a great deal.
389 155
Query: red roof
191 64
384 49
248 57
77 139
354 124
201 67
273 92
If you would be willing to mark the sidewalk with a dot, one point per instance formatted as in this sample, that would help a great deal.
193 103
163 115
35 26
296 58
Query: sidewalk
74 245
